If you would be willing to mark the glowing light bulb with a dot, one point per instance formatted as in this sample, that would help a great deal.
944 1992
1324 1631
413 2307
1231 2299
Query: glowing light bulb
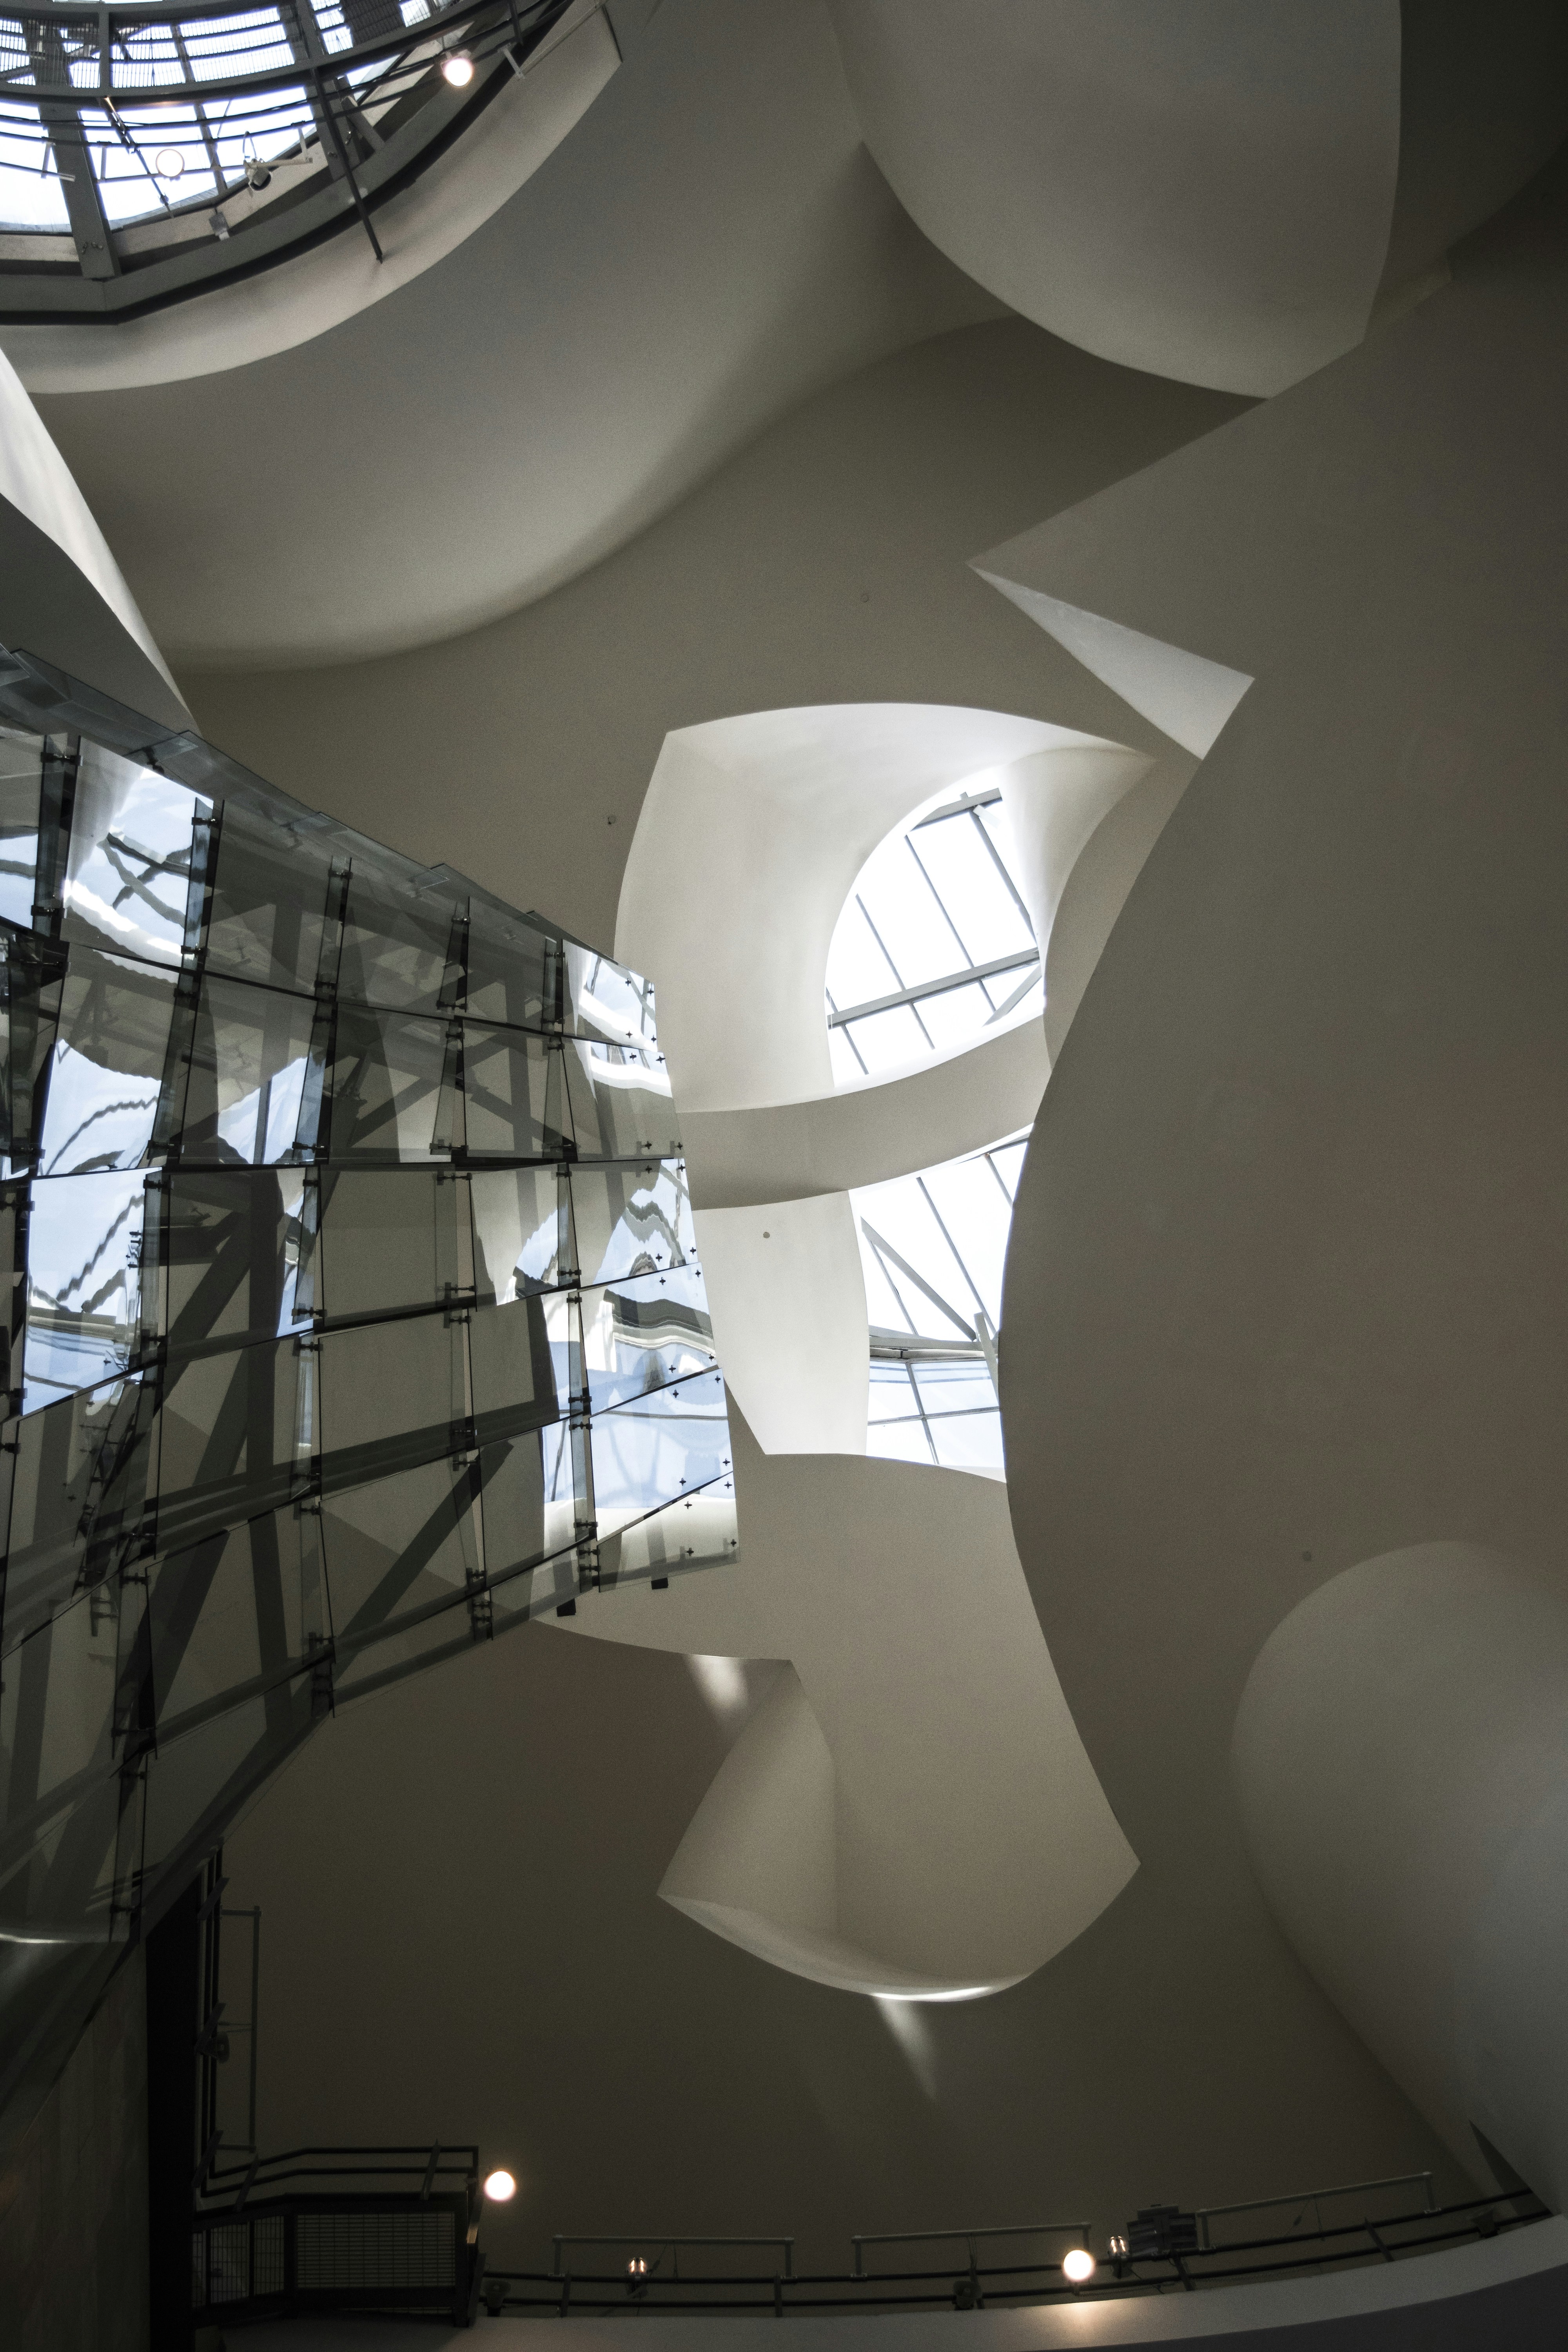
458 69
1078 2265
499 2186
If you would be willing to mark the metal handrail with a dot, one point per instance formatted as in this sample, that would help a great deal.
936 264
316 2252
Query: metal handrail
966 2237
670 2245
1312 2197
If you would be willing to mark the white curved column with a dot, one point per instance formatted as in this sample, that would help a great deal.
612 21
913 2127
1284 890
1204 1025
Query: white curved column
1401 1762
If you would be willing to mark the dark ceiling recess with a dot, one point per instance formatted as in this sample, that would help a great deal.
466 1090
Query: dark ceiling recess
191 146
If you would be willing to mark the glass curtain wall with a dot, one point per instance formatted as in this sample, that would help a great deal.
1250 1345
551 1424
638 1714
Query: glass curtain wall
355 1309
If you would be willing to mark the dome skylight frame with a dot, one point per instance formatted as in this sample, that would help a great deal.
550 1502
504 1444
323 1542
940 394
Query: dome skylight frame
288 123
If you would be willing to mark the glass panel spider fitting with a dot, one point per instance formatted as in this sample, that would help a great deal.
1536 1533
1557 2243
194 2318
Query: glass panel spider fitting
932 1248
935 947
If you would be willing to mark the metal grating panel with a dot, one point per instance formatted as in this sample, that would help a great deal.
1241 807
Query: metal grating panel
266 2254
228 2262
373 2251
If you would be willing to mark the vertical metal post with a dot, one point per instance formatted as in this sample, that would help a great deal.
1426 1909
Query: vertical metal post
73 159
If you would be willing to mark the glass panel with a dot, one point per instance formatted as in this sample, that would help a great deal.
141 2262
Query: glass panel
539 1592
270 895
647 1452
387 1399
227 1438
961 1386
511 1094
646 1335
892 1398
81 1476
632 1220
606 1001
59 1800
522 1231
401 1543
395 937
197 1783
695 1531
227 1246
527 1502
248 1056
106 1072
128 870
386 1085
621 1106
247 1602
958 1013
21 774
511 969
388 1239
405 1651
899 1441
885 1041
84 1250
969 1440
515 1379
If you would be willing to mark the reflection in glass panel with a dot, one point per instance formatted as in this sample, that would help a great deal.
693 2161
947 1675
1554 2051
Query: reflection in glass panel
106 1074
309 1155
84 1252
128 872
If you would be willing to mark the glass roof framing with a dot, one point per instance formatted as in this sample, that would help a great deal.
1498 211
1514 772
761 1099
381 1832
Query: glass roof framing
934 946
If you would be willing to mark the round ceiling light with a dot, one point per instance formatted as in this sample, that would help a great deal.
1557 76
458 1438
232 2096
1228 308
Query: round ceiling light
458 69
499 2186
168 162
1078 2265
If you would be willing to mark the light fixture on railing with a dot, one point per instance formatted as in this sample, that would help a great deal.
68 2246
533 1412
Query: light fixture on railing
458 67
499 2187
1078 2265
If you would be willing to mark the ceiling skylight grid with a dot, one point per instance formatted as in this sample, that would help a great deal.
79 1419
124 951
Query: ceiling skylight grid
932 1249
934 946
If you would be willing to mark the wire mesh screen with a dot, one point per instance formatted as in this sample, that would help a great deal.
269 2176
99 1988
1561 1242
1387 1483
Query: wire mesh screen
373 2253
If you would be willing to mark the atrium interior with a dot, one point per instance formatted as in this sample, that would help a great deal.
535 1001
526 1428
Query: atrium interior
784 1103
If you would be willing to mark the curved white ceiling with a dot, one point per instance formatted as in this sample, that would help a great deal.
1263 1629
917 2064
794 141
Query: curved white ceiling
912 1811
1201 188
710 244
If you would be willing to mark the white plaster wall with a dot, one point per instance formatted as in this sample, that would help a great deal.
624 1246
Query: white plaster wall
1203 188
971 1840
1401 1763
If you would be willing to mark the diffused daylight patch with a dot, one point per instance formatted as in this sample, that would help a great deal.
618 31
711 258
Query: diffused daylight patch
933 1250
933 950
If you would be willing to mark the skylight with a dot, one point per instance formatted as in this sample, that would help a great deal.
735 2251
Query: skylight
932 1248
934 949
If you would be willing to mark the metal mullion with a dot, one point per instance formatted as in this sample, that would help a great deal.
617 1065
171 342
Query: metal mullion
78 185
996 860
942 903
920 1409
908 995
953 1245
207 140
885 1250
942 987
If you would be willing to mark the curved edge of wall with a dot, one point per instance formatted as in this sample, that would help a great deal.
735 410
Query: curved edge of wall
1400 1762
62 594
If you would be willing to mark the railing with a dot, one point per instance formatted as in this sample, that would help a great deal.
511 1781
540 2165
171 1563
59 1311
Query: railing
265 2244
1370 2237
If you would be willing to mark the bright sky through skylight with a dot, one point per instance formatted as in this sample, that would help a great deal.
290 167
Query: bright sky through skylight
933 904
932 1248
